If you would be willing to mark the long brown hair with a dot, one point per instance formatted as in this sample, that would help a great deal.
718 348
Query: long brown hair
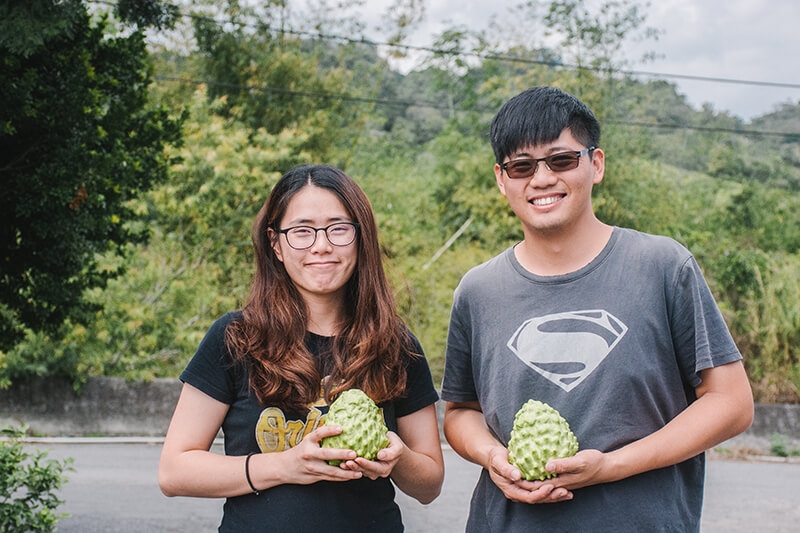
370 348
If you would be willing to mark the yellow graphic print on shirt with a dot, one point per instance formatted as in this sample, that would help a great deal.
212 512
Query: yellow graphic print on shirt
275 434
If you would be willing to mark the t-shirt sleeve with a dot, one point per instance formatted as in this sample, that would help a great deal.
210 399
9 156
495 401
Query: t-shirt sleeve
419 383
211 368
701 337
458 384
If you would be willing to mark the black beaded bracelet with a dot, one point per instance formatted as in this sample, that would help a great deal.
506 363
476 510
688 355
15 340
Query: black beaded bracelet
247 473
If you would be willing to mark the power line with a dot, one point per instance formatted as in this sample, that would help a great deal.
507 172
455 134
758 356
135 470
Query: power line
715 129
422 103
311 94
481 55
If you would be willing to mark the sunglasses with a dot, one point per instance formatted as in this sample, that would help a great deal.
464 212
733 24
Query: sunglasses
560 162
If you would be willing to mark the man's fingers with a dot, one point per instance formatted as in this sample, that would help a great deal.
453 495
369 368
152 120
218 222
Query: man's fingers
507 471
556 466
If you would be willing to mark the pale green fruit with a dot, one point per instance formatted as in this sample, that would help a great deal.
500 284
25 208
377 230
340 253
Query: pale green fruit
363 429
540 433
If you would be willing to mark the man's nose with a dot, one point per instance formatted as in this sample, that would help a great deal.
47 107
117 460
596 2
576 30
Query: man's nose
542 175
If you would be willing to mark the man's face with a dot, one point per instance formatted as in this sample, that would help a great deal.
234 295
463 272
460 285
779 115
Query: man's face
551 202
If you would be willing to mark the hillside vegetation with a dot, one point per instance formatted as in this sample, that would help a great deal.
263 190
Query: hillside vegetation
258 101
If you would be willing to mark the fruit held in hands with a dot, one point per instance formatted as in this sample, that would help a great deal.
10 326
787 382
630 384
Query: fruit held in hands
363 429
540 433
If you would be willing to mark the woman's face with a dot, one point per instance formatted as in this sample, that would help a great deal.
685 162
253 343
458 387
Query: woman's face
323 269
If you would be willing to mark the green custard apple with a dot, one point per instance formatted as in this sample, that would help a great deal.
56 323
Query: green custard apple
540 433
363 428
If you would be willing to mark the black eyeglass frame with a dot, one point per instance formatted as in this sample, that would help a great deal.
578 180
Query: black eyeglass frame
356 227
547 160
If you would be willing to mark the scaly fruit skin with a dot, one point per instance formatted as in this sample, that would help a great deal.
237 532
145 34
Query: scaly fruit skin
540 433
363 429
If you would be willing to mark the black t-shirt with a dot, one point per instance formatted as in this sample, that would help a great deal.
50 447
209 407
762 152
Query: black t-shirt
352 506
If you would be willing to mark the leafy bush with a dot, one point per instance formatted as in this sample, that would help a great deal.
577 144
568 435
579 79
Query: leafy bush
28 482
781 446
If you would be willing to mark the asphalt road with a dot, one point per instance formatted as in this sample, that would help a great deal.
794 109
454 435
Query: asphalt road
114 489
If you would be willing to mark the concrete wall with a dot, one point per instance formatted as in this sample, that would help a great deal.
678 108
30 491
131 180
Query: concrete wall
105 407
114 407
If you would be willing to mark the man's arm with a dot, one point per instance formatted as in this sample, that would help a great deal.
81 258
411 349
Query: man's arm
723 409
467 432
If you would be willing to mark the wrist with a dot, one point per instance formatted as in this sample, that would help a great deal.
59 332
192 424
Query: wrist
248 475
615 466
487 454
264 472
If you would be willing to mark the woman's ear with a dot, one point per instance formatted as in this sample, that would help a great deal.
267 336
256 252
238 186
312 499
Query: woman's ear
274 241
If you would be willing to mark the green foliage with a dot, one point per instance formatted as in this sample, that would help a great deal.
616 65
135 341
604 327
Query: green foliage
732 199
466 187
412 232
780 445
28 485
199 262
78 142
26 26
785 117
594 35
195 267
145 13
764 318
272 81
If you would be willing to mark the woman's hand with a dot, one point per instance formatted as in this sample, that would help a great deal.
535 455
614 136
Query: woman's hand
413 457
307 462
383 465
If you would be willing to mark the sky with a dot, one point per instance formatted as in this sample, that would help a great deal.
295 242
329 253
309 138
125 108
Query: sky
750 40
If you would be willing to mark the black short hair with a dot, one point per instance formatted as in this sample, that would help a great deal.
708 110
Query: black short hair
538 115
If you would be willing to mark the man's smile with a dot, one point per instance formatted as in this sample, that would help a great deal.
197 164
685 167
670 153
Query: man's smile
546 200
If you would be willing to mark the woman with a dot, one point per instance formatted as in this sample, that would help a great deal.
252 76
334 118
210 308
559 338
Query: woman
320 319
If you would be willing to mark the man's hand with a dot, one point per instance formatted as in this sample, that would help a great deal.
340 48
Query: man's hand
585 468
509 480
468 434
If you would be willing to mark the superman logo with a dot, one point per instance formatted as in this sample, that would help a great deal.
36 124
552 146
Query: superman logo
566 347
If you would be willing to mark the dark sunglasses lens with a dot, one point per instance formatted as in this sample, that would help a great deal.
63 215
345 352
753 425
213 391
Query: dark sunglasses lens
521 169
560 162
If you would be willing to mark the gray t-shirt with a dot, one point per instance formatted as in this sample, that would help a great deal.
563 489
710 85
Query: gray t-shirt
616 347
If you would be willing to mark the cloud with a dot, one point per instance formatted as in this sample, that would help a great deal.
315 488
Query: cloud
738 39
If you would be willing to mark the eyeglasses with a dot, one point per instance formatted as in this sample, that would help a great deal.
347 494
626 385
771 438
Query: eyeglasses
303 237
525 168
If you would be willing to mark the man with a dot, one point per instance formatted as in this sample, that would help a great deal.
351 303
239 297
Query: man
615 329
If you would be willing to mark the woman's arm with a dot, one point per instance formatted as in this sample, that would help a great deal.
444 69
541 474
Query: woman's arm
413 458
188 468
420 470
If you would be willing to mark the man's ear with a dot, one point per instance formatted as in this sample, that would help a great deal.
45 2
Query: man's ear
599 165
274 241
498 174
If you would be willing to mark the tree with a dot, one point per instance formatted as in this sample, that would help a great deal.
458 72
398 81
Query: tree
77 143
